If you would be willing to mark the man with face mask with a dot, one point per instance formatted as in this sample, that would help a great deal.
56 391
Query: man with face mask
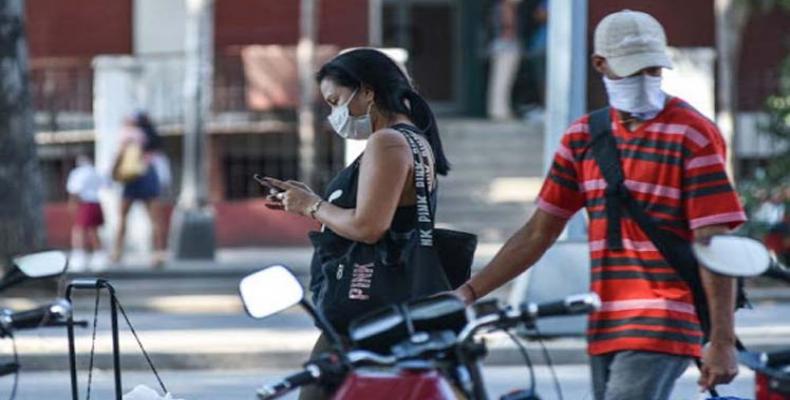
647 331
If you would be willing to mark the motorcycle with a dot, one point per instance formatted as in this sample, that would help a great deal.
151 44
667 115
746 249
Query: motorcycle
42 265
771 369
745 257
423 349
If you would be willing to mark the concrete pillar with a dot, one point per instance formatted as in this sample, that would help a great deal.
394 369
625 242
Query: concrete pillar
159 26
375 23
566 82
115 89
192 233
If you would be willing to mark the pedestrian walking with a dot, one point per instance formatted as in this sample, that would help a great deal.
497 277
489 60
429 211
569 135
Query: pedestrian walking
505 53
375 205
136 168
672 190
83 185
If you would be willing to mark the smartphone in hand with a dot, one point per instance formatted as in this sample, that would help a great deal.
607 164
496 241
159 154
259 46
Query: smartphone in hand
267 185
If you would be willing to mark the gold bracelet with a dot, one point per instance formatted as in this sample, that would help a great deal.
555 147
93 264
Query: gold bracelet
314 208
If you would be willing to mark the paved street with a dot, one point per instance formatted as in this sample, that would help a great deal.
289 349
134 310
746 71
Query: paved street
197 333
231 339
235 384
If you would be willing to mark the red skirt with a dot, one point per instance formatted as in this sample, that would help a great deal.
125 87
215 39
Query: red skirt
89 215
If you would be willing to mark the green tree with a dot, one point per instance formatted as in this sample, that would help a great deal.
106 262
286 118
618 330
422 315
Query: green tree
778 107
21 216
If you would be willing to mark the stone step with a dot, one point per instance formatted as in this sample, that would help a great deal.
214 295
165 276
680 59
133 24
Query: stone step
497 174
494 168
488 218
493 148
483 212
491 191
476 128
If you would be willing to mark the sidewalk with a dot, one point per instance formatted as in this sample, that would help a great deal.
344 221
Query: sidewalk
212 286
189 315
260 348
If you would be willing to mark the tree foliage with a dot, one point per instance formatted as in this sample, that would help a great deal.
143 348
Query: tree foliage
778 108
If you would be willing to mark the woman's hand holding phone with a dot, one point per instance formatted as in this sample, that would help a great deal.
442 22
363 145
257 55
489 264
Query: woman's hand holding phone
274 195
291 196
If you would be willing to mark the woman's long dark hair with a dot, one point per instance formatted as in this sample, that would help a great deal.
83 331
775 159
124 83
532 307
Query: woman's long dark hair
153 141
393 91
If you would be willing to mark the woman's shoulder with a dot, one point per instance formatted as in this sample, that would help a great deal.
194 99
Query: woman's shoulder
387 138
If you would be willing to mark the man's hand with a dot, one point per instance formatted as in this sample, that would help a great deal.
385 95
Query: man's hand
719 365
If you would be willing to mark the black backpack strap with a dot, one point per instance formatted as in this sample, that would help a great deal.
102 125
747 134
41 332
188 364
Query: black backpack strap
676 250
607 156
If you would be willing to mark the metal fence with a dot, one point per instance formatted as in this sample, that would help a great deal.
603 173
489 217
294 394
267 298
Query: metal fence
62 91
243 141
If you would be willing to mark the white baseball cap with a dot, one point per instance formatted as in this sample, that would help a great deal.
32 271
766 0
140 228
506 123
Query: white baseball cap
631 41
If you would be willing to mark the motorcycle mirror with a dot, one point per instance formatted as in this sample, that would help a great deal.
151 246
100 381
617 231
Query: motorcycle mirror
733 255
269 291
43 264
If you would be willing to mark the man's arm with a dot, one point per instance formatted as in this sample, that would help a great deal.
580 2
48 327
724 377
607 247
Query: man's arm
523 249
719 362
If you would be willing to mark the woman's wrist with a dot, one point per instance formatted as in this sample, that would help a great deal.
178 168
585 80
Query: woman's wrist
313 209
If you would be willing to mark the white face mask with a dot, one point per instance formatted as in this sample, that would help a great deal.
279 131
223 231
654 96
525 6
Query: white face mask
640 96
349 126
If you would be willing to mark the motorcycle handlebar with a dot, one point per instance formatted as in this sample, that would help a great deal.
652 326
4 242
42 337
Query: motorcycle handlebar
50 314
571 305
310 374
357 357
776 358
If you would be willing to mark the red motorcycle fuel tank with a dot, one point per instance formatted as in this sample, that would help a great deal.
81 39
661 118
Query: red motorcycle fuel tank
396 385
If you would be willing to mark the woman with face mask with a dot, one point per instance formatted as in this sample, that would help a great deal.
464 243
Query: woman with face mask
371 99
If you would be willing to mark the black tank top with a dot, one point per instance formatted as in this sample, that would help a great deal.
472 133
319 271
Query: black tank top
342 192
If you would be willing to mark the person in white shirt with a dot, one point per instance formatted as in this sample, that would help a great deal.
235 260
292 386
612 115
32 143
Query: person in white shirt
83 186
505 57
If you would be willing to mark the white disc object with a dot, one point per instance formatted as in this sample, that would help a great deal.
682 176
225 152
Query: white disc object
733 255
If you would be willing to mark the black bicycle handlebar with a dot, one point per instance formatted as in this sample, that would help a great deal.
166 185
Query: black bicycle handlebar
49 315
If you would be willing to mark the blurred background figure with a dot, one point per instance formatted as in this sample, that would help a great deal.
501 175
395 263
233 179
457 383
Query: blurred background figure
83 186
772 211
505 57
517 68
143 168
771 218
531 100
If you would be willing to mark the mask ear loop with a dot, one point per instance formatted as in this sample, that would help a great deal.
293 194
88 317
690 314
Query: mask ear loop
354 93
370 116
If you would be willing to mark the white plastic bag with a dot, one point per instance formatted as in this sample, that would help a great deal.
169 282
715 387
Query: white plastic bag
142 392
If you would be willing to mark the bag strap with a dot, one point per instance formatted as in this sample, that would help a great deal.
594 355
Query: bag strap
607 156
425 220
676 250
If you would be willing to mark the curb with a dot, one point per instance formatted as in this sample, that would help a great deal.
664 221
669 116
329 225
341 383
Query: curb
292 360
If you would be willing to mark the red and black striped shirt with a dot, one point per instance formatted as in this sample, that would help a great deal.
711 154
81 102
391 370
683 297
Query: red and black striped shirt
674 167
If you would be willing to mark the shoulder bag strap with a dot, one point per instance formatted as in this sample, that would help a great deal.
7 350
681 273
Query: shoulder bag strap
604 148
424 215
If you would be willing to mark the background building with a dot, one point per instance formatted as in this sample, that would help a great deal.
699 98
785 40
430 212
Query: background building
253 125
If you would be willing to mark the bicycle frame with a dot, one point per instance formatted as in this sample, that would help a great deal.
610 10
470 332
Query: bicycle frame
116 351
